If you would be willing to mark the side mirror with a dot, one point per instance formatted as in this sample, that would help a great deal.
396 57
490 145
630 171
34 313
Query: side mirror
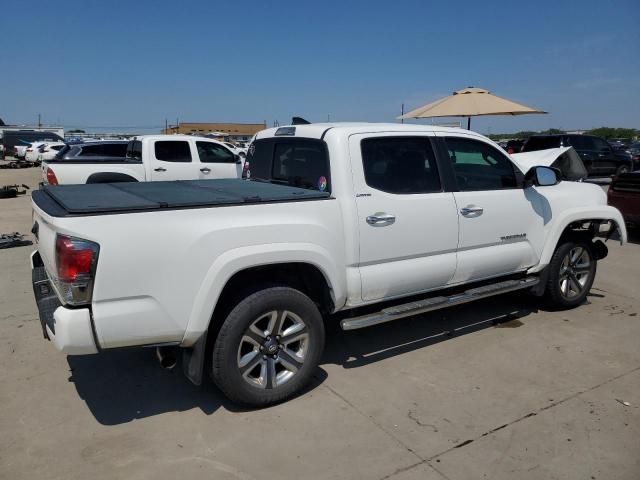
237 158
542 177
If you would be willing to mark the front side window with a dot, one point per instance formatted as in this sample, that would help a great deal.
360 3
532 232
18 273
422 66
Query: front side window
581 143
173 151
210 152
479 166
400 165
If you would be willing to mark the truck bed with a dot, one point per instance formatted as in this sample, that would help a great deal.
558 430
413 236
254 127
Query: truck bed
112 198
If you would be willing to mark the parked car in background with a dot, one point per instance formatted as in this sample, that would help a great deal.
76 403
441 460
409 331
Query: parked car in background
20 149
634 151
237 149
599 158
19 138
619 143
624 194
146 158
48 151
33 150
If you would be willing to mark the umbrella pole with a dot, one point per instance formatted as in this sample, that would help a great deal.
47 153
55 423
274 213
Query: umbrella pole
468 123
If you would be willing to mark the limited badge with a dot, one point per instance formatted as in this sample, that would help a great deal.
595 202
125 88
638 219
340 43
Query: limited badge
322 183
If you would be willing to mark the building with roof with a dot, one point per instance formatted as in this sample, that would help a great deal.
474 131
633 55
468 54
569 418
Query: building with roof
234 132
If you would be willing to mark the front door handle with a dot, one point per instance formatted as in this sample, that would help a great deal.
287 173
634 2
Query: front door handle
471 211
160 169
205 170
381 219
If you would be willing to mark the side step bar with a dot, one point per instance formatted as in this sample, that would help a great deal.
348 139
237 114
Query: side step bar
435 303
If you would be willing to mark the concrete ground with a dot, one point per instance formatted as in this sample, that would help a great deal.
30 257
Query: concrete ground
493 390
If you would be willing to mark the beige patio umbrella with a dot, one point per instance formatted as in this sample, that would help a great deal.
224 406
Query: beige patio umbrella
470 102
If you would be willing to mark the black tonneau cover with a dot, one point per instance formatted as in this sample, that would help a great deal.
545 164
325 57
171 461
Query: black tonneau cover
104 198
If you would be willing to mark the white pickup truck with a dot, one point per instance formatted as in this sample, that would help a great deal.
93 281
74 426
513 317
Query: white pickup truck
353 223
148 158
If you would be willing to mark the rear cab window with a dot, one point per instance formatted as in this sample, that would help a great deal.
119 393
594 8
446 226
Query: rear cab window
297 162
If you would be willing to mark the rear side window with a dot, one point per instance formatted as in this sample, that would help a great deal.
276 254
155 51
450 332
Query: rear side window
540 143
134 150
92 151
580 143
400 165
210 152
173 151
115 150
479 166
302 163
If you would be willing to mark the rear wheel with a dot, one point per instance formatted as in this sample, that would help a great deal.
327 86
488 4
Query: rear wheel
268 347
571 273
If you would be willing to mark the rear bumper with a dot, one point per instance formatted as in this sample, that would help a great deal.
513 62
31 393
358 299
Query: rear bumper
69 329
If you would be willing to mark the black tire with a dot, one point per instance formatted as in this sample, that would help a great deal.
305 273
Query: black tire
291 306
568 285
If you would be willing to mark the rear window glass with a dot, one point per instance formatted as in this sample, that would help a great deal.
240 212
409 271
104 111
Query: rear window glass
173 151
134 150
541 143
302 163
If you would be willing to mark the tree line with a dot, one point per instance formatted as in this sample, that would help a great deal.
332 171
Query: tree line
604 132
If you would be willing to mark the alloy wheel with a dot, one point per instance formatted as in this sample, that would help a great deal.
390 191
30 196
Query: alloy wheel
575 271
273 349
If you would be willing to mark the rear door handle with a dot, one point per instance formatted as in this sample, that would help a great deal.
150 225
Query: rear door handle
471 211
205 170
379 219
160 169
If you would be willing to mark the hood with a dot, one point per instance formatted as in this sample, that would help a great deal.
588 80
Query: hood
565 159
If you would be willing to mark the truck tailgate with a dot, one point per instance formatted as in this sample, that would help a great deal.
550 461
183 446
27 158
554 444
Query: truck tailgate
104 198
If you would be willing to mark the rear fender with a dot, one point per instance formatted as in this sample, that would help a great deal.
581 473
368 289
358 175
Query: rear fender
236 260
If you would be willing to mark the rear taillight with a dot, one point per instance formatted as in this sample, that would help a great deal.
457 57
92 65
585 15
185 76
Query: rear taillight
51 177
75 266
246 170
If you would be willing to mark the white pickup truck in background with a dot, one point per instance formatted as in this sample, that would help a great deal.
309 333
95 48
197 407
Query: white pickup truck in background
149 158
352 223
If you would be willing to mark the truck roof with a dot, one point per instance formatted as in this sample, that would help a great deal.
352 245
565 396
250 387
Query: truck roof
318 130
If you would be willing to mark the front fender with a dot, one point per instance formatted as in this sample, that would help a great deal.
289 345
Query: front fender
236 260
569 216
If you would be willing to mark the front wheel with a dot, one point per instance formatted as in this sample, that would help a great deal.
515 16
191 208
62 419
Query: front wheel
571 273
268 347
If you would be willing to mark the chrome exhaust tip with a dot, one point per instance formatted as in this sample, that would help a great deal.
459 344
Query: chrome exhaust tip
167 357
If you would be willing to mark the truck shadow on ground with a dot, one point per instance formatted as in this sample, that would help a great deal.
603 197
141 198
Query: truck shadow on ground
124 385
354 349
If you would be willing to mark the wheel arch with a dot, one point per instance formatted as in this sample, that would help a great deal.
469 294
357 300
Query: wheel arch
110 177
571 223
307 267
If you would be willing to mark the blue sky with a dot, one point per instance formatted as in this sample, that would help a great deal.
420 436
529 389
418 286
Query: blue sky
135 63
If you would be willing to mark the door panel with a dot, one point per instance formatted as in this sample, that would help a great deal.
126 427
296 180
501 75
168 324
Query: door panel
499 222
216 161
502 238
408 237
172 160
